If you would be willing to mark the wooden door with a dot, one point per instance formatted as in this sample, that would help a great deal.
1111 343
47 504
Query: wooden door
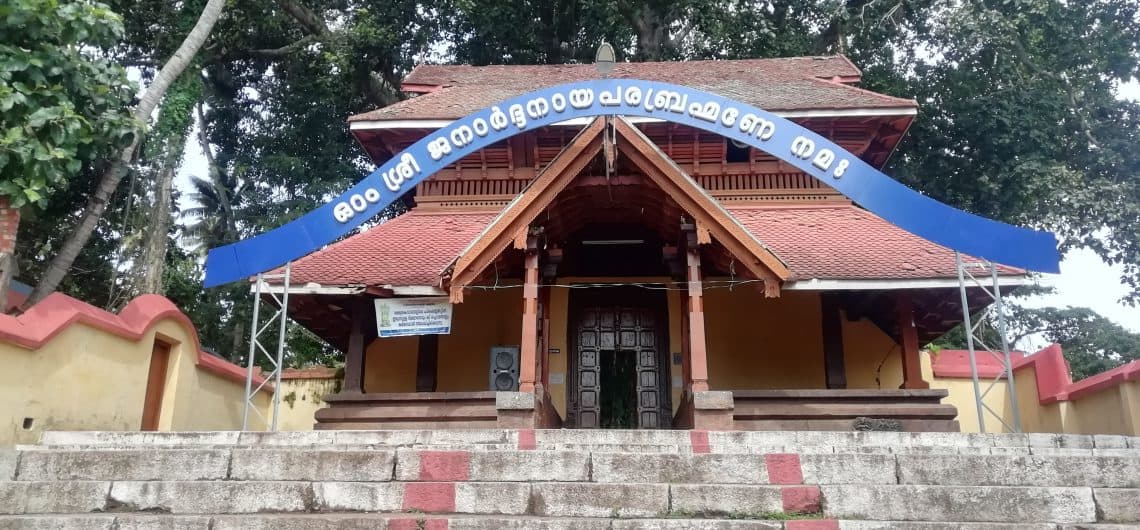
155 386
639 334
603 333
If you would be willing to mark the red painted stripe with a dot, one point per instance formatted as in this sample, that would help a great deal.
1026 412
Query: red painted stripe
414 524
784 468
700 442
813 524
527 440
802 499
445 465
437 497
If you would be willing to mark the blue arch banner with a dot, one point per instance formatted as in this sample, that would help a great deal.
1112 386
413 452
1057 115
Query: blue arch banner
792 143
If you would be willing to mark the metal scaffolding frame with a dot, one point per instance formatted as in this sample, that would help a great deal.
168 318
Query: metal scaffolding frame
257 349
974 339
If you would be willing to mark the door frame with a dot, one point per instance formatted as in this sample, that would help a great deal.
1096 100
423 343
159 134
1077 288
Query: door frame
155 385
654 300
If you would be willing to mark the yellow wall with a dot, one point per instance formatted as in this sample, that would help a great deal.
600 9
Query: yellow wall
297 414
1113 410
86 378
757 343
483 320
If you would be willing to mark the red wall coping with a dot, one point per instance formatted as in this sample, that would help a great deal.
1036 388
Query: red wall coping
1052 372
43 321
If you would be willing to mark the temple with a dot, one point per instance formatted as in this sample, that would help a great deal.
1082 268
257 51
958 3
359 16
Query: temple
629 272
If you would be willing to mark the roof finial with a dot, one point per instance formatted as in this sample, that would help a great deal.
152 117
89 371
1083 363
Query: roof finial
604 60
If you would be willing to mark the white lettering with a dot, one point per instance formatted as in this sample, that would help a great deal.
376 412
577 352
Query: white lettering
462 136
342 212
358 203
439 148
558 101
649 103
537 108
480 126
803 147
498 119
517 116
757 126
610 99
671 101
405 169
728 117
823 159
709 111
371 195
633 96
581 98
840 168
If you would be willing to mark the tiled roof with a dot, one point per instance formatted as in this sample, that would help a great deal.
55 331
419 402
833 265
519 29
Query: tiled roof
411 249
794 83
844 242
827 242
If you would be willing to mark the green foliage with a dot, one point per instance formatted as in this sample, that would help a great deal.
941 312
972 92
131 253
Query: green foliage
1090 342
63 102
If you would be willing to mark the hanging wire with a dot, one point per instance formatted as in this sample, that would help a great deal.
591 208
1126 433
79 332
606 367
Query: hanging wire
653 286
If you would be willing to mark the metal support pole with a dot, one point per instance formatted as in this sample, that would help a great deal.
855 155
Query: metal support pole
281 347
252 354
969 328
1000 308
276 359
974 339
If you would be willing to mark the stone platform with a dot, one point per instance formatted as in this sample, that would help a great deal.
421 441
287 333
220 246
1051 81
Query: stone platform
571 479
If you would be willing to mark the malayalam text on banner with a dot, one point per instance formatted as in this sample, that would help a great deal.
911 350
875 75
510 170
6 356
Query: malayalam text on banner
397 317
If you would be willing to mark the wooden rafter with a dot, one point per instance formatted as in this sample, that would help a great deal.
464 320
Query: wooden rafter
708 215
512 224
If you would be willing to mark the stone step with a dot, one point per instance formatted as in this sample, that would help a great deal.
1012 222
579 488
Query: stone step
273 463
407 521
870 502
714 441
133 521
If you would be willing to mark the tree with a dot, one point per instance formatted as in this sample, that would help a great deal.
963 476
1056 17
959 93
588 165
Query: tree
1090 342
97 204
62 101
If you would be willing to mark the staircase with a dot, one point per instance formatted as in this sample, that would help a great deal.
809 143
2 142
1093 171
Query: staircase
571 479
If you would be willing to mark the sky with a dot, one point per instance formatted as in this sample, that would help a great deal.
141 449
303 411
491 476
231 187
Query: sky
1085 280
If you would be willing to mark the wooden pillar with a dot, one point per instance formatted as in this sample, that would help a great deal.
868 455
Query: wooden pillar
354 358
698 372
834 367
427 363
908 340
529 344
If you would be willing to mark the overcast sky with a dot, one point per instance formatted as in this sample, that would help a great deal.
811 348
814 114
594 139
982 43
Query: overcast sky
1085 280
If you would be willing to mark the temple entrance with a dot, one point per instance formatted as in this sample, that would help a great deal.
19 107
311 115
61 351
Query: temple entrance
619 377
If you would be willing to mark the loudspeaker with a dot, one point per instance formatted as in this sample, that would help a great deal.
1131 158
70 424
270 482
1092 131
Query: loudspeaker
504 376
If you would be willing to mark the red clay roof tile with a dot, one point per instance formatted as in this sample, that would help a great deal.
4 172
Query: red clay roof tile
793 83
827 242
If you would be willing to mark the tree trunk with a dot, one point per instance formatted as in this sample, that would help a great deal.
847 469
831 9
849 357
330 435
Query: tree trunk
97 203
154 253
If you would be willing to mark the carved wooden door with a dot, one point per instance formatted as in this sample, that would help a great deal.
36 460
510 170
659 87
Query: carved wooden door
638 333
605 334
593 337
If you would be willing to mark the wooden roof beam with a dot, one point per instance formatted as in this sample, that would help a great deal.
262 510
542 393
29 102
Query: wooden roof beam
704 209
513 223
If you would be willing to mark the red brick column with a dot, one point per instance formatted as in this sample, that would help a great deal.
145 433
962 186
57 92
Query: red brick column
9 223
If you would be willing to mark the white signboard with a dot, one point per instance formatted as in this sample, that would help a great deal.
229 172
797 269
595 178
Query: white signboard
397 317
